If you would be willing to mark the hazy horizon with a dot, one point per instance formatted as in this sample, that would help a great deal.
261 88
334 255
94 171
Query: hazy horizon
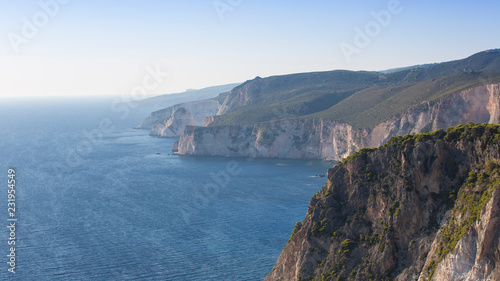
75 48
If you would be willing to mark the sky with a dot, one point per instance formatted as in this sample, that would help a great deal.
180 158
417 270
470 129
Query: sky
76 47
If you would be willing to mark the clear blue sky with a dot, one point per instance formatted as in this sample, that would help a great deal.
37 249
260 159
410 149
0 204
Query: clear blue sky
104 47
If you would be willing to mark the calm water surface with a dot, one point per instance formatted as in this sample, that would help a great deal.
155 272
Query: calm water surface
114 205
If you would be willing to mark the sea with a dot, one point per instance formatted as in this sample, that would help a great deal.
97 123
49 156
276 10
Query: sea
96 199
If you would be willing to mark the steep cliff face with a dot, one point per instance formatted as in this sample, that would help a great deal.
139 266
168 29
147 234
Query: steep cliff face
422 207
477 105
171 121
330 140
243 95
174 125
293 139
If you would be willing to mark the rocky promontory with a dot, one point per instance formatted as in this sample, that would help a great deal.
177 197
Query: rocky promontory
304 138
422 207
171 122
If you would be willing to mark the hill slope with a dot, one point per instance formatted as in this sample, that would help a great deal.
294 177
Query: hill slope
301 138
329 115
361 99
376 104
260 99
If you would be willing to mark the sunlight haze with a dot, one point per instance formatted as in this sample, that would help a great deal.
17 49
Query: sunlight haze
95 48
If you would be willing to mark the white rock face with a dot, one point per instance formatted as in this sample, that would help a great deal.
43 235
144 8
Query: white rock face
477 254
239 95
171 122
330 140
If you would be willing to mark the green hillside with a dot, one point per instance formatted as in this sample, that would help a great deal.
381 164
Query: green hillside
361 99
294 95
376 104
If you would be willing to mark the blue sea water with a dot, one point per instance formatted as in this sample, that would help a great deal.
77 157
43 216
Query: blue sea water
95 204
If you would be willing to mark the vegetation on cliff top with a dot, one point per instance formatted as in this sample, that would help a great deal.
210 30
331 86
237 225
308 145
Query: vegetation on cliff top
356 246
361 99
374 105
485 132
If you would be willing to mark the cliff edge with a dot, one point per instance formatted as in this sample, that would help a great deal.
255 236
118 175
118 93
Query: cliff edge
421 207
321 139
171 122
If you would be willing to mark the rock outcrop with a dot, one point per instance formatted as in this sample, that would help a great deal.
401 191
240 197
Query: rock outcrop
240 96
424 207
171 122
329 140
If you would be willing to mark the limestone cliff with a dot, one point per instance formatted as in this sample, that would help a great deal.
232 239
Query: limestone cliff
171 121
244 94
302 138
422 207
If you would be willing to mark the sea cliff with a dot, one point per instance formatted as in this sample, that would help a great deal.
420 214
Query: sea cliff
303 138
422 207
171 122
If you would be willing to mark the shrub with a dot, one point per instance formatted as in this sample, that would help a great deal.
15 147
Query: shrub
298 225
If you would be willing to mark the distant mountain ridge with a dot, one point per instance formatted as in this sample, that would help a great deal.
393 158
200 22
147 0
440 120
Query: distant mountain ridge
184 109
329 115
326 95
392 70
190 95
